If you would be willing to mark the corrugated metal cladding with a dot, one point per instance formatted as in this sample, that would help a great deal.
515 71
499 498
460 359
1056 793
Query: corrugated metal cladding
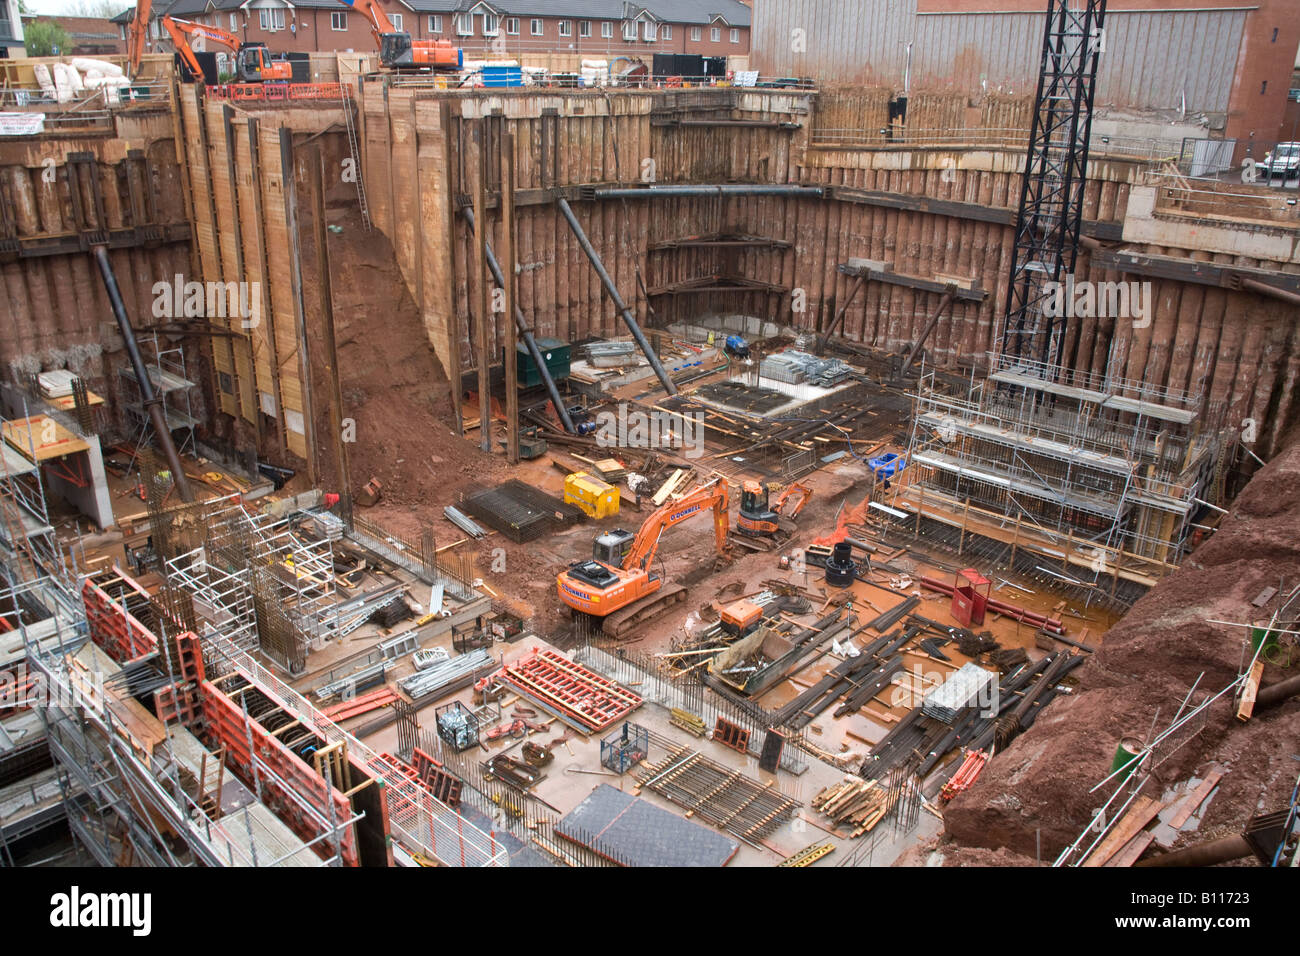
1151 57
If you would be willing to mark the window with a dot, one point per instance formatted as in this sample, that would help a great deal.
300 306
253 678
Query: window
465 24
491 25
535 27
716 34
584 28
566 28
397 22
629 30
272 20
667 32
435 24
607 30
338 20
696 34
234 23
735 35
512 26
648 31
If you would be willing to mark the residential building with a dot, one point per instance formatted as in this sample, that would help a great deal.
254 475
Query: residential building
505 29
88 36
11 29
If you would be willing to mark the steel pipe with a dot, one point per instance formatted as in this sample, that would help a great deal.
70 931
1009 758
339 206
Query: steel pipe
152 403
619 304
530 343
1203 854
652 192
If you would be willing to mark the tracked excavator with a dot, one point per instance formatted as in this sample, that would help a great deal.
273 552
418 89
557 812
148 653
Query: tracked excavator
619 586
769 525
254 63
397 51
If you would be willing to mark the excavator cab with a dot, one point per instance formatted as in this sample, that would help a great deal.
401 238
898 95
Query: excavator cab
395 50
756 518
612 547
254 64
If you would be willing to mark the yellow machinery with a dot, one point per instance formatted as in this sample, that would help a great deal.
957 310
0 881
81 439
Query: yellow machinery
595 497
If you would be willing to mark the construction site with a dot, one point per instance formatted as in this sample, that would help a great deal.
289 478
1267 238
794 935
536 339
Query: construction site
885 454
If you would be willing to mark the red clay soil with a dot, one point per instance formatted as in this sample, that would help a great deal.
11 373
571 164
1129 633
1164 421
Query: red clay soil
1148 662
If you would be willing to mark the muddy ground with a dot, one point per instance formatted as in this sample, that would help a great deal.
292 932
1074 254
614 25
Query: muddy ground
1137 680
397 393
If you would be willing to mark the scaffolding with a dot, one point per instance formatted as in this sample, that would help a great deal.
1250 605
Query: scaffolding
1103 476
27 535
168 375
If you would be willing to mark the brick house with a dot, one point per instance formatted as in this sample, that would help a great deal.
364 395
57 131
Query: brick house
88 36
504 29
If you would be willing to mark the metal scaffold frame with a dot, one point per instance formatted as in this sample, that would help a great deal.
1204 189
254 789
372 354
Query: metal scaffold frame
1056 165
1101 481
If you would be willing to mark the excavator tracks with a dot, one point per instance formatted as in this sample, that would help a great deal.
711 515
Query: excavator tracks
623 621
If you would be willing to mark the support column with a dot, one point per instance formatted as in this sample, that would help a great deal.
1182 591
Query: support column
508 326
484 327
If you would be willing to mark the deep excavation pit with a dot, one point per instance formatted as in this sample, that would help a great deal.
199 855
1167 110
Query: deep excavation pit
831 315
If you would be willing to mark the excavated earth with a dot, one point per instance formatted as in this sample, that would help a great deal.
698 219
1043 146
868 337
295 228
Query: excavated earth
1137 680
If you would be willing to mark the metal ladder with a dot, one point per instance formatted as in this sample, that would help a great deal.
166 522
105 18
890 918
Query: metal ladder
356 155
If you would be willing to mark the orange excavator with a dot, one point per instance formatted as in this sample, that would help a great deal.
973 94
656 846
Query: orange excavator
768 526
618 585
254 63
138 35
397 51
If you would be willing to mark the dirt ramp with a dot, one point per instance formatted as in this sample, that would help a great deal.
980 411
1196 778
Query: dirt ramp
1147 665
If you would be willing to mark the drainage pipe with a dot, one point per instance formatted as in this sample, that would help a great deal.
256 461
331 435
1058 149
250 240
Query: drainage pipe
153 404
651 192
619 304
1203 854
530 343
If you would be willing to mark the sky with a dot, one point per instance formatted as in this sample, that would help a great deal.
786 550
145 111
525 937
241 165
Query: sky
67 7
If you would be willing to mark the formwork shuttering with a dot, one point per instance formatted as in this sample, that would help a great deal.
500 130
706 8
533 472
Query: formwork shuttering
121 781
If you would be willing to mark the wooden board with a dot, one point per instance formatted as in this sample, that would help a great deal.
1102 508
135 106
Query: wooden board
1133 822
1246 707
67 403
49 438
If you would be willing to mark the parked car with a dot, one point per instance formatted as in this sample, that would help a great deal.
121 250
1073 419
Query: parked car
1281 162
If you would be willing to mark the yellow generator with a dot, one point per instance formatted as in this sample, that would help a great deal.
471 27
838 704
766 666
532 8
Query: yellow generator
597 498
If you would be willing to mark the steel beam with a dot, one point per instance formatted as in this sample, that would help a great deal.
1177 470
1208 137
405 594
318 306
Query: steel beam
619 304
530 342
152 403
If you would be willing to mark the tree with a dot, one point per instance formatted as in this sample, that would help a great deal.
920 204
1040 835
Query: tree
97 9
45 38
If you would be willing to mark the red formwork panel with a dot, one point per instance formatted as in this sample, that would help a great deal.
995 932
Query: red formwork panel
113 628
225 723
570 690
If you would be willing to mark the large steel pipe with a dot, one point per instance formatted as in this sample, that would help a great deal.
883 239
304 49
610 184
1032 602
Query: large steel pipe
152 403
654 192
530 343
619 304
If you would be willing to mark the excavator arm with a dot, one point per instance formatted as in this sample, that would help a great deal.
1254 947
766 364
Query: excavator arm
181 31
646 543
138 34
379 22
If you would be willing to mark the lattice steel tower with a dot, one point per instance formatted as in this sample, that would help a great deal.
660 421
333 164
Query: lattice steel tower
1051 194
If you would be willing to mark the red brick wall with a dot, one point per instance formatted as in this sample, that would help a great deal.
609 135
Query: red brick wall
1257 113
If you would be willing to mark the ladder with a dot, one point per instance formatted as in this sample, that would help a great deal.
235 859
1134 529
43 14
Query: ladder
356 154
